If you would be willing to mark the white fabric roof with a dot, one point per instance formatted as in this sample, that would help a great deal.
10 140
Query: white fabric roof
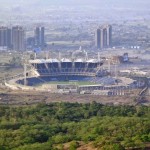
40 61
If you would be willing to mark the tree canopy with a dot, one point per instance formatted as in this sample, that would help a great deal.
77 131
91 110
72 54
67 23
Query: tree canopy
44 126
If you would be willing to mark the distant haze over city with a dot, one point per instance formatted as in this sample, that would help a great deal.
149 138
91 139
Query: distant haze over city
108 9
120 4
124 3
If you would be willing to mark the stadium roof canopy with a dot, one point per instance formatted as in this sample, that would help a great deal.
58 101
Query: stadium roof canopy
41 61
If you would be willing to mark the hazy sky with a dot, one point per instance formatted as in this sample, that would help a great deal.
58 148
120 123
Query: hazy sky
119 8
121 3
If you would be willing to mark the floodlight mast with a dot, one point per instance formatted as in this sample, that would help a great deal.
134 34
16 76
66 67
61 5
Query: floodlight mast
116 71
59 56
99 59
35 55
109 59
25 74
86 56
47 55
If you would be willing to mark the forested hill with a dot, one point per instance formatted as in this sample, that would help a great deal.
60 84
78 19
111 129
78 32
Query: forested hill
49 127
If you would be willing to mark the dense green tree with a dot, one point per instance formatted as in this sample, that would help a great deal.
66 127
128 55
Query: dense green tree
45 126
74 145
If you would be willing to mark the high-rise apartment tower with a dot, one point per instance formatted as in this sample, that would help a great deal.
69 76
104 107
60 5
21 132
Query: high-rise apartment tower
5 37
18 38
103 37
40 37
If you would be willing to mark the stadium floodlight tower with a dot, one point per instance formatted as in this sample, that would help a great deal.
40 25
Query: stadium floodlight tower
99 58
59 55
25 74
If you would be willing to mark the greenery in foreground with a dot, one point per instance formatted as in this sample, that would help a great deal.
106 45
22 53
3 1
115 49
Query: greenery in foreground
47 127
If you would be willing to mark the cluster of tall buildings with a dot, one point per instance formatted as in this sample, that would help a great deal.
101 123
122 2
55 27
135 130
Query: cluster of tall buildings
14 38
38 40
103 37
39 37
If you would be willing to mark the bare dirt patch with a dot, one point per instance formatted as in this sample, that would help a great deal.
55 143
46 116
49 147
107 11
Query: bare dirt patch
32 97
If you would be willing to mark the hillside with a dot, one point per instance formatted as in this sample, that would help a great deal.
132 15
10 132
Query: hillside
66 126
